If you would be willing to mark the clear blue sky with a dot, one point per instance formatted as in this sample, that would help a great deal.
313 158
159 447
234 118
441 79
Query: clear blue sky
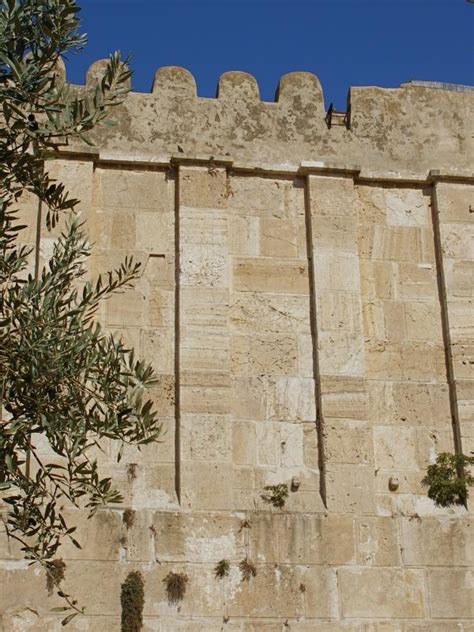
344 42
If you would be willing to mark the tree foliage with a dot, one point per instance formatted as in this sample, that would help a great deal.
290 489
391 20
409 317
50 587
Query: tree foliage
65 384
448 480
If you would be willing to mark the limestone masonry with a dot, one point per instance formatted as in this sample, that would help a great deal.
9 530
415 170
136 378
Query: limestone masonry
307 300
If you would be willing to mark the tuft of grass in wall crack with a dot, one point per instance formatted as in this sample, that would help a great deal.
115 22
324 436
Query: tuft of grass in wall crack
55 571
248 569
128 518
448 480
222 569
276 495
132 600
175 586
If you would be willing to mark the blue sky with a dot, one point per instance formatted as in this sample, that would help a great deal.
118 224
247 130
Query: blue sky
344 42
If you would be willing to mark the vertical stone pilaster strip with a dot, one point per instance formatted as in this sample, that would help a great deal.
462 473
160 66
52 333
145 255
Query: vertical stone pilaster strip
443 302
339 352
177 328
314 336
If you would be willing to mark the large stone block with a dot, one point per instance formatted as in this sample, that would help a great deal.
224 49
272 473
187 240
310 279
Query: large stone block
203 188
135 189
451 593
264 275
438 541
316 540
382 593
378 542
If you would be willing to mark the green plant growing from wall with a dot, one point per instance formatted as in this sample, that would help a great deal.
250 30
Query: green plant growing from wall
448 480
132 601
64 379
222 569
276 495
175 586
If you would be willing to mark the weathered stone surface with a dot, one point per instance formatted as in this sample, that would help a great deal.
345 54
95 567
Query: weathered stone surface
382 592
294 312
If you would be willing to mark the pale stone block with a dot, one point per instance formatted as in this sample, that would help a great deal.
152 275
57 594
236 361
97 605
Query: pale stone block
204 267
306 363
408 207
290 399
207 486
291 445
203 187
394 321
350 488
268 443
270 313
316 540
204 537
334 234
160 270
310 446
275 354
337 271
205 392
154 232
385 593
244 236
461 320
423 322
374 320
395 447
204 307
202 227
138 538
122 231
378 279
371 204
333 197
263 275
157 347
126 308
451 593
438 541
206 438
341 353
394 243
339 310
161 304
263 537
278 238
99 536
247 398
267 197
348 441
454 202
277 594
417 281
463 360
460 278
320 596
135 189
344 397
244 442
199 601
378 543
457 241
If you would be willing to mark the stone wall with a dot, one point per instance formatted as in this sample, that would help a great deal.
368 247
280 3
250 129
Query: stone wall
306 300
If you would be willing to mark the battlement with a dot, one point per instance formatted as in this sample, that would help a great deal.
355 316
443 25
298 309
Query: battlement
413 128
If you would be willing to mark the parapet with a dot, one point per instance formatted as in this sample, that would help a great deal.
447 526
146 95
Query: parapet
413 128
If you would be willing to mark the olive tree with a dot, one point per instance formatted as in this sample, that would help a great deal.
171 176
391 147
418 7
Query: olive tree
63 380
